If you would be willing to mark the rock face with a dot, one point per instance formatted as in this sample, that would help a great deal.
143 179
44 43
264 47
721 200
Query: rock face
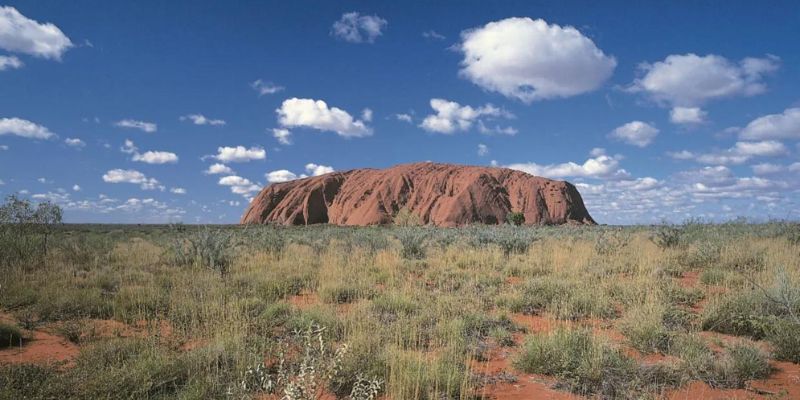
440 194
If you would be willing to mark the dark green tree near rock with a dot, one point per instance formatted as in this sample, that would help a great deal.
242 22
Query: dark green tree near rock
515 218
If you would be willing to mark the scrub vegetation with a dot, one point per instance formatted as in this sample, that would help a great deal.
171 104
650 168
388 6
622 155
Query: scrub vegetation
409 312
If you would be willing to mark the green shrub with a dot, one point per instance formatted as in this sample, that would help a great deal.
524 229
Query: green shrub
582 302
515 218
739 364
10 335
784 335
140 302
279 287
676 294
696 358
206 247
537 294
644 327
713 276
366 360
731 370
741 314
502 336
71 330
412 375
588 365
344 293
388 307
412 242
75 303
29 381
666 236
611 242
516 241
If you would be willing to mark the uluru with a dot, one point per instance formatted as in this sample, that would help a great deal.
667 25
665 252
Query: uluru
438 194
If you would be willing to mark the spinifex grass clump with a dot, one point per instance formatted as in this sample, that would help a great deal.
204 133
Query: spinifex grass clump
666 236
754 311
205 248
413 242
10 335
610 242
588 364
645 329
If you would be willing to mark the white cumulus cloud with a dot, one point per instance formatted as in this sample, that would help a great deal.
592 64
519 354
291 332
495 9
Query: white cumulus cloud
774 126
239 185
218 169
263 87
283 135
451 116
600 166
240 154
281 175
24 128
20 34
687 115
315 114
200 119
75 142
690 80
10 62
403 117
532 60
148 127
156 157
637 133
739 153
356 28
317 170
132 176
148 157
483 149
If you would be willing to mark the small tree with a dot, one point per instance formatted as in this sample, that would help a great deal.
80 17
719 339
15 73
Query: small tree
16 211
515 218
21 225
45 218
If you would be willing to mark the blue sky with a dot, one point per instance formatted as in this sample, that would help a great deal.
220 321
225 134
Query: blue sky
180 111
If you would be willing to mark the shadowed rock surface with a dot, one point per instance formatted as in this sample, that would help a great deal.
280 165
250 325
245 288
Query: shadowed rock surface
440 194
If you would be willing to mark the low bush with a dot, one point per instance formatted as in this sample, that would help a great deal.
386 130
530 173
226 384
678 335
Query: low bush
515 218
206 247
28 381
587 364
784 335
412 242
713 276
611 242
10 335
666 236
741 314
416 375
344 292
739 364
645 329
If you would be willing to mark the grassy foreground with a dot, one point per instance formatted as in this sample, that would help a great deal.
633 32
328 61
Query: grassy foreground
400 313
